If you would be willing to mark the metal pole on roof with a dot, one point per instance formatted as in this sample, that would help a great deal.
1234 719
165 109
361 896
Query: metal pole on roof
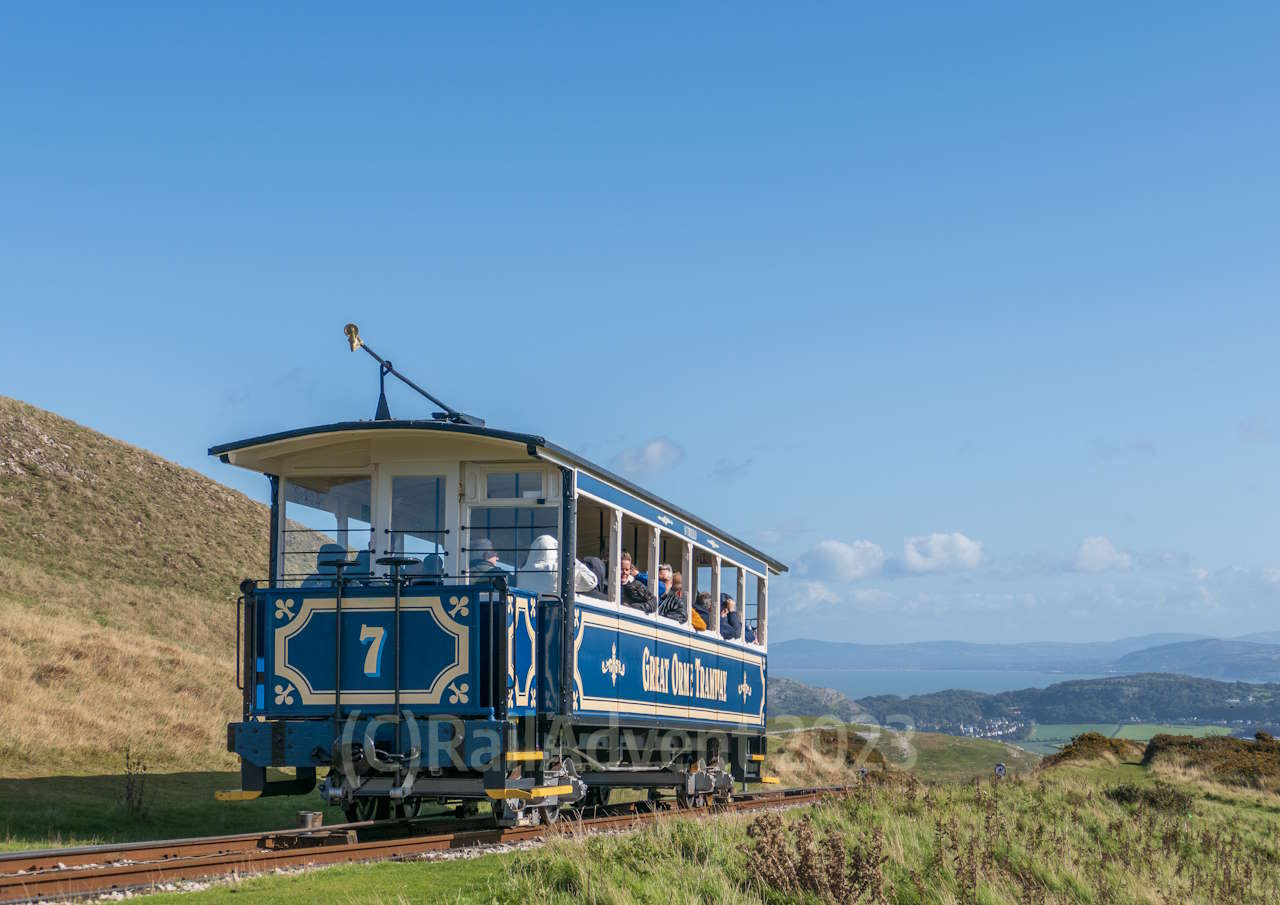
384 414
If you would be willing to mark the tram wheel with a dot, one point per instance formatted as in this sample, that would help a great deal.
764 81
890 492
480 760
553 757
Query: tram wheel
686 800
596 797
408 809
367 808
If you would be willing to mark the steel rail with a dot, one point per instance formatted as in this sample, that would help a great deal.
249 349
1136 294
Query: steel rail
94 870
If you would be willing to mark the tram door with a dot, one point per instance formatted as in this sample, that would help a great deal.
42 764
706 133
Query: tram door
511 528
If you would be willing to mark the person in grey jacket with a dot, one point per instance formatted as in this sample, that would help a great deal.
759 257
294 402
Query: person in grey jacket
730 621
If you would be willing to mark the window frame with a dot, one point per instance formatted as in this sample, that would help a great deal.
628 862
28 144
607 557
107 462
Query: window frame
473 485
475 477
368 471
421 468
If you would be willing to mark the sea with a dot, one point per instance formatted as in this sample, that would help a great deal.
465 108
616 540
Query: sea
860 683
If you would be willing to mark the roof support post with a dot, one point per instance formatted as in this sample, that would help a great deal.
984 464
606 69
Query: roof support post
715 596
686 569
615 554
655 550
762 611
568 591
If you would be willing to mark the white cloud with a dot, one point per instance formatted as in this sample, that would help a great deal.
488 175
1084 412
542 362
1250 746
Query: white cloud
836 560
802 594
655 455
939 552
1098 554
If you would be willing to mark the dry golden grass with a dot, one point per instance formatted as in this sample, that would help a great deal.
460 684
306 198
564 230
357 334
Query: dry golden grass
75 694
821 757
118 576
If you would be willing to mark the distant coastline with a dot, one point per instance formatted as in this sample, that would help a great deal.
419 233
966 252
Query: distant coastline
858 682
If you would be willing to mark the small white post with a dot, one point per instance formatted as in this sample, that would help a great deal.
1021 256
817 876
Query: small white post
654 551
615 555
762 610
715 596
686 569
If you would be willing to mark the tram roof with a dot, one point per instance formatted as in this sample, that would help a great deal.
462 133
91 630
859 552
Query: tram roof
531 442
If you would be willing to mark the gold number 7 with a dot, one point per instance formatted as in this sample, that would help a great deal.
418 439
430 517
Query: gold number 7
374 636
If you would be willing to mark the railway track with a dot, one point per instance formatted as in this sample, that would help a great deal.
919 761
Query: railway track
95 870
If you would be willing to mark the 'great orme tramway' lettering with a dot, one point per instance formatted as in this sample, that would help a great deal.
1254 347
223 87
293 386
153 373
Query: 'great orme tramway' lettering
691 680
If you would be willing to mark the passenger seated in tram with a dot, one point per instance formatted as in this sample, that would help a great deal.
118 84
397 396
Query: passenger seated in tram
539 573
730 622
429 571
664 579
635 593
749 633
362 571
702 611
325 574
585 579
600 590
672 605
486 563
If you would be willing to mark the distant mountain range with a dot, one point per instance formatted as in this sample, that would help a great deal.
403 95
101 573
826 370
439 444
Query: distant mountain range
1149 697
1252 658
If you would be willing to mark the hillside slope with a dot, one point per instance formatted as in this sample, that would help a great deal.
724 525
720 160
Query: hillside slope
118 575
1214 658
1149 697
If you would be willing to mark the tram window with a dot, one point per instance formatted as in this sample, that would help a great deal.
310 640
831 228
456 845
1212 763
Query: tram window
325 516
417 522
671 551
635 540
750 607
593 541
703 563
729 588
521 542
513 485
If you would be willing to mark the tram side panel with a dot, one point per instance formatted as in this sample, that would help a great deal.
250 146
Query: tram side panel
639 667
637 644
597 665
670 671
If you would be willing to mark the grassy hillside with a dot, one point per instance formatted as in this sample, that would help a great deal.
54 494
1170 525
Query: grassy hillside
835 754
118 574
1089 831
1047 738
792 698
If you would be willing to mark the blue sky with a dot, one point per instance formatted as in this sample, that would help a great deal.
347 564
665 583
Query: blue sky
969 314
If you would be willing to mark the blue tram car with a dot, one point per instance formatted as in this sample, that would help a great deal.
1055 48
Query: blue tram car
451 615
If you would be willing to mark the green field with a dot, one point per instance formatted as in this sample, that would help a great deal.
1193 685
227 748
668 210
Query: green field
1056 837
1046 738
57 811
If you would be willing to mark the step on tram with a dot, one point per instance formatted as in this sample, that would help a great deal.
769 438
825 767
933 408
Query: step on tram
460 614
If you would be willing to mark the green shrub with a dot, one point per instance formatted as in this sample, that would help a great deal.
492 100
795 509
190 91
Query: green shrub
1159 797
